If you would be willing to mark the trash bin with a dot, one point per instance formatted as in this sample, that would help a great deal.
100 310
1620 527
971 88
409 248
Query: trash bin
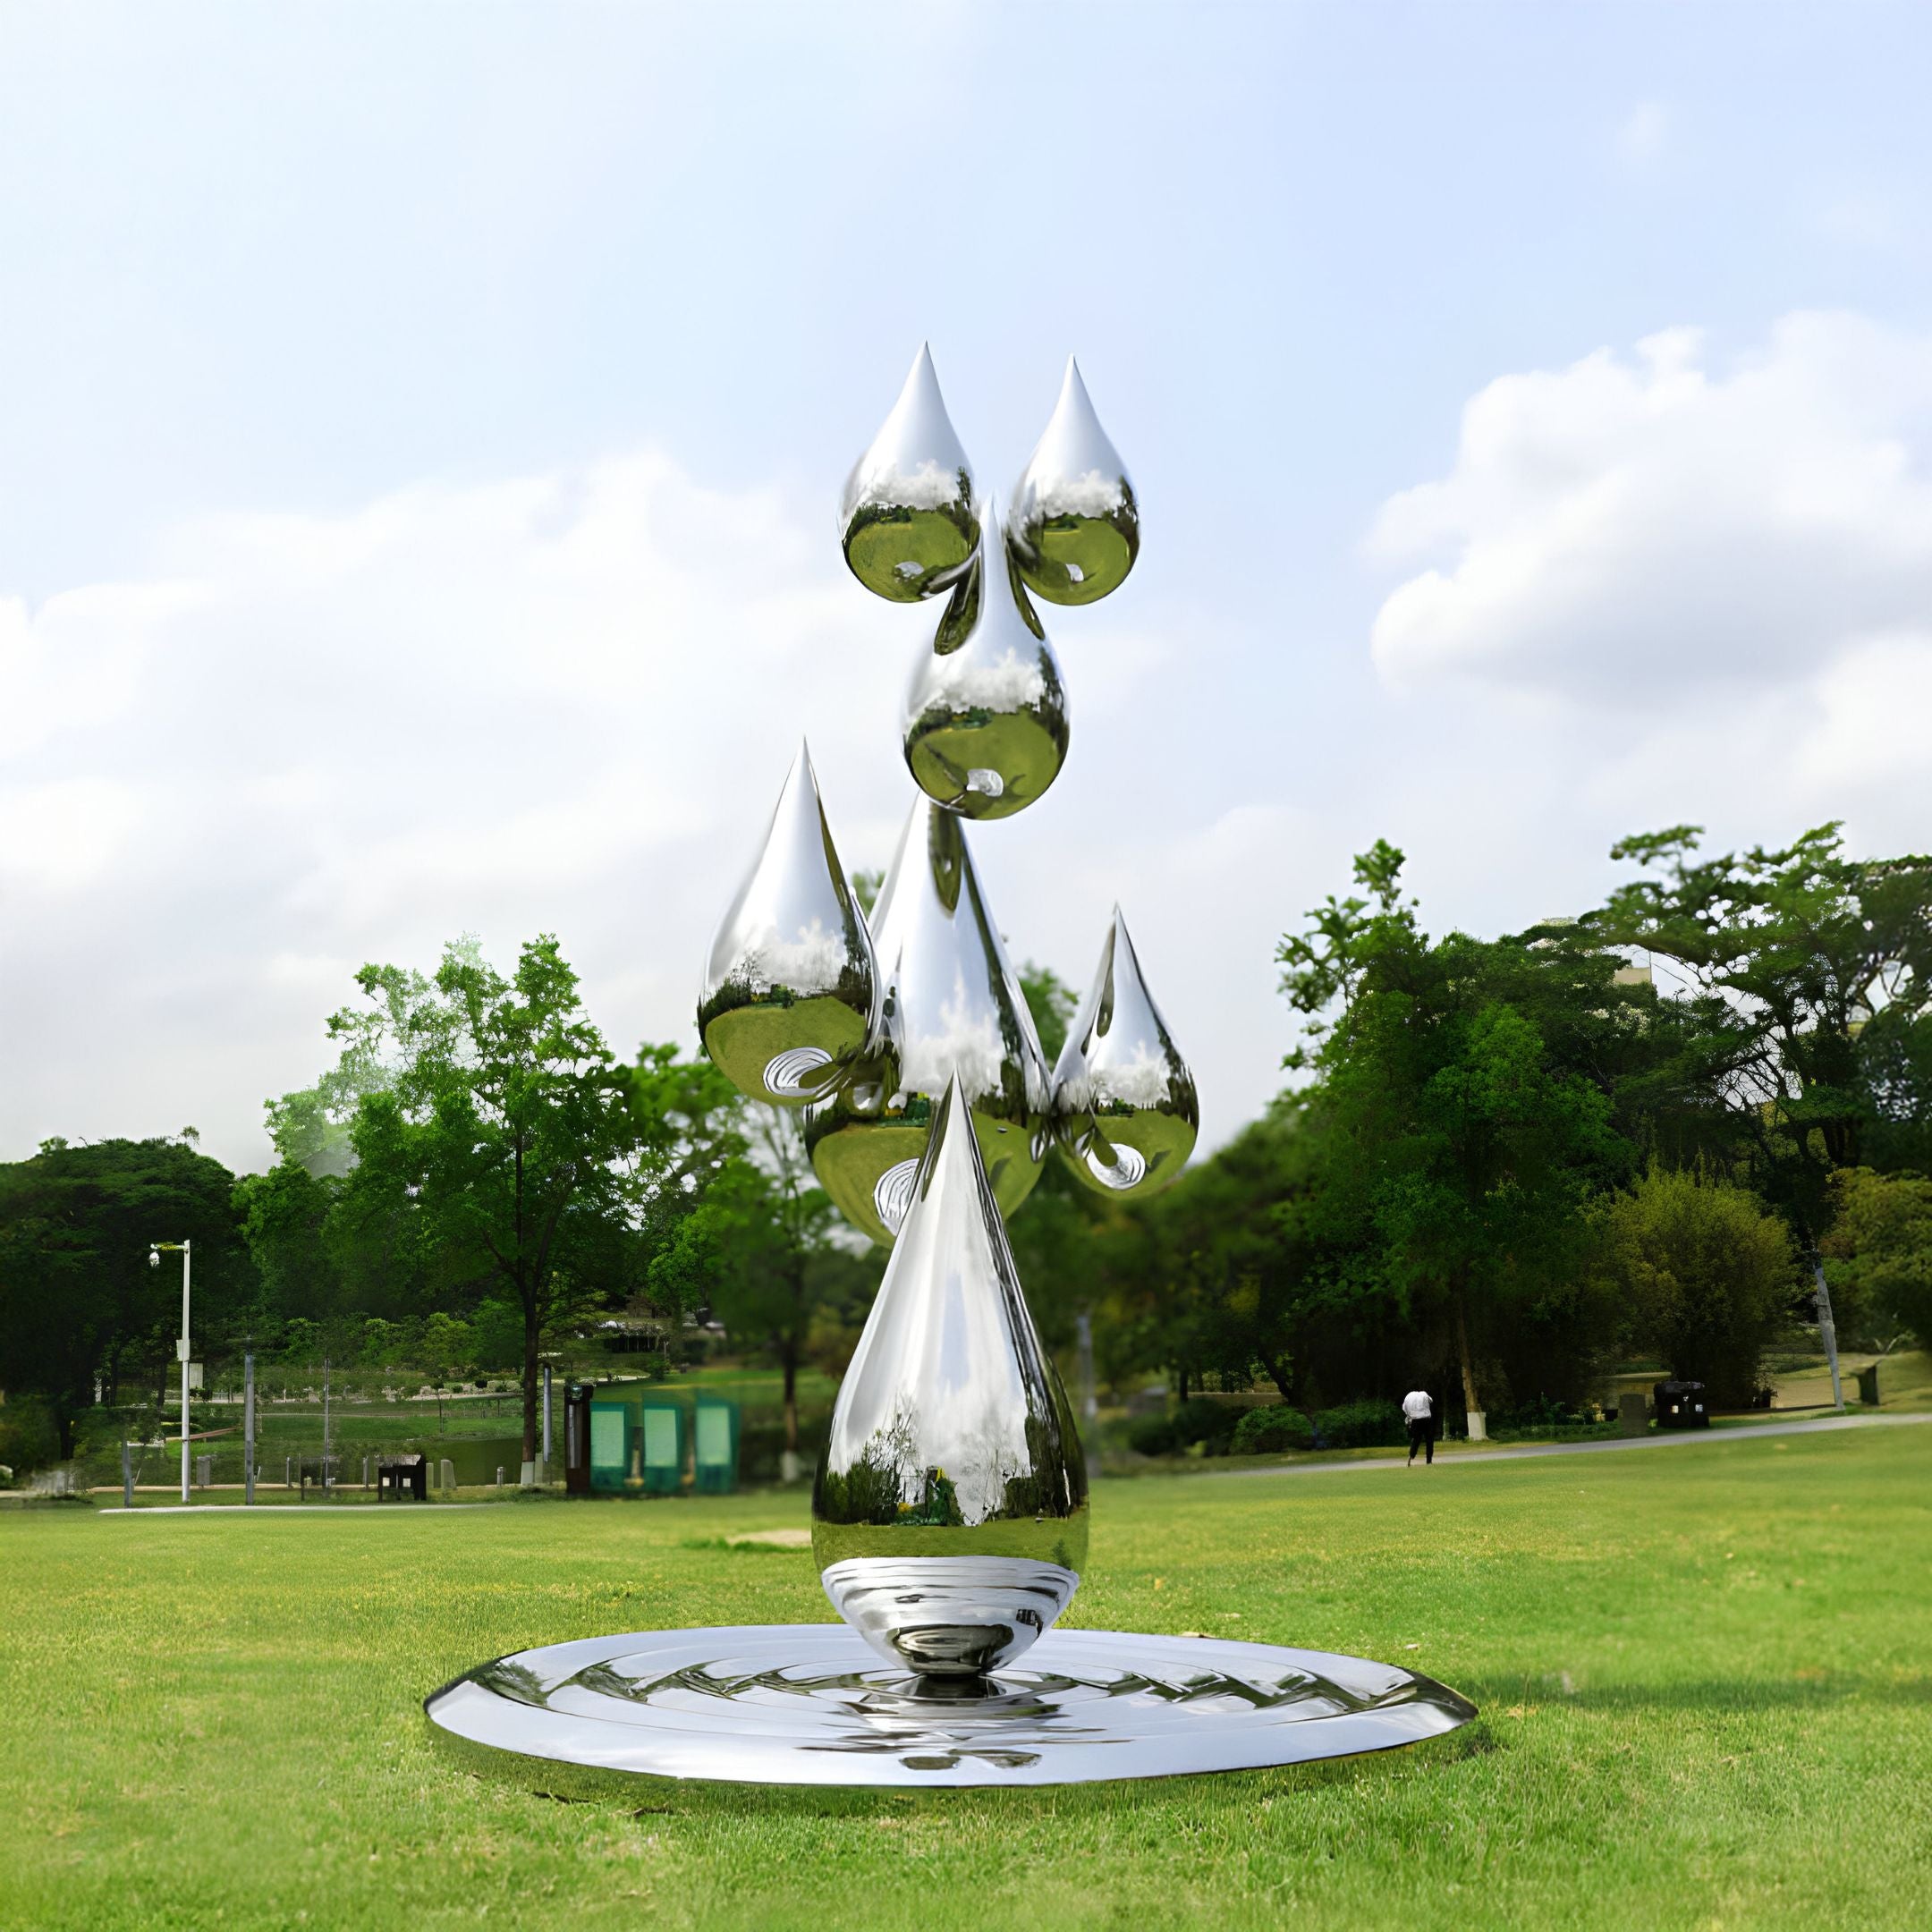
1867 1382
1680 1405
576 1439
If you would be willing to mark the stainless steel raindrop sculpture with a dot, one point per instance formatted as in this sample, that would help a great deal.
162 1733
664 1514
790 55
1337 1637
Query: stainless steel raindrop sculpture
986 712
908 519
949 1516
1125 1112
1076 525
791 997
953 1010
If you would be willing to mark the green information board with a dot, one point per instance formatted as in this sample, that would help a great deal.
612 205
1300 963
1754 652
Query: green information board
610 1444
664 1447
714 1463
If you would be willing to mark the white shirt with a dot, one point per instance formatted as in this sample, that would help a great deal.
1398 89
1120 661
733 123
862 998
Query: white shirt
1417 1406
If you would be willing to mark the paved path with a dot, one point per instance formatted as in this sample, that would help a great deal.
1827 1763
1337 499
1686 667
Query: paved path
279 1509
1674 1439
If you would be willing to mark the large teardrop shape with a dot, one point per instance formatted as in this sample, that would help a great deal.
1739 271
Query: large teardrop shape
954 1007
1075 530
792 994
1125 1111
908 519
986 712
949 1517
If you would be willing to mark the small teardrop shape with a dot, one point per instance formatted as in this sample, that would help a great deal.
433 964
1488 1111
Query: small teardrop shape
907 520
949 1516
1076 525
1125 1111
792 994
953 1006
986 712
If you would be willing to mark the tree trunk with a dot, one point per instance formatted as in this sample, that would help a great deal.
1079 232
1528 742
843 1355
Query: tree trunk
1469 1398
1182 1380
789 1356
1280 1376
530 1336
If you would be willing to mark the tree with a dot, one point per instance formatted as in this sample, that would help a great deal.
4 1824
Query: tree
1878 1256
78 1299
1468 1091
495 1138
1811 975
1707 1273
760 1249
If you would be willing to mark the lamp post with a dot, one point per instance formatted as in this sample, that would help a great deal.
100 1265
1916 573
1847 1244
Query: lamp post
156 1250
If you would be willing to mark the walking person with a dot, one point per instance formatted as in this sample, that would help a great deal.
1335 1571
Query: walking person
1419 1408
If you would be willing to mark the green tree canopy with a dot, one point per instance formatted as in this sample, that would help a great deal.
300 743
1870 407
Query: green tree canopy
1707 1276
78 1299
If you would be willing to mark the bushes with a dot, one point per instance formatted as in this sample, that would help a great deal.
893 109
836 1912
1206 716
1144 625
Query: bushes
1709 1276
1225 1430
1363 1424
1268 1431
1199 1421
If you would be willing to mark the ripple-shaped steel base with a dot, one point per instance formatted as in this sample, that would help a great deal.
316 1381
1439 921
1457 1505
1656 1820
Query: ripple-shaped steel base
811 1704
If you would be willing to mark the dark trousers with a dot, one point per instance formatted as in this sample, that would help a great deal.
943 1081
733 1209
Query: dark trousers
1422 1436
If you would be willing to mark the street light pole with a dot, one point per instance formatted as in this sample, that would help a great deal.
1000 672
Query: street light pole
156 1250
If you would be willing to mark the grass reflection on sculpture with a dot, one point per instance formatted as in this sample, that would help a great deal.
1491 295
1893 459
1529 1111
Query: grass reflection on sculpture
949 1519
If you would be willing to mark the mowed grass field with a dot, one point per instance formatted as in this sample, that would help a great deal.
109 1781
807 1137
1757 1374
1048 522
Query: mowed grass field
1706 1677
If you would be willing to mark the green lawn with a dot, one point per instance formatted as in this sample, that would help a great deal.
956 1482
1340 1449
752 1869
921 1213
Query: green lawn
1705 1678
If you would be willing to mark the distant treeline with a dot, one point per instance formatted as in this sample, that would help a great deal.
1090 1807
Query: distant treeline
1500 1167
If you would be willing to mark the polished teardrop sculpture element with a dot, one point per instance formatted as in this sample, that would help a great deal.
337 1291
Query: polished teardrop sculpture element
953 1006
792 995
1075 530
986 714
908 519
949 1518
1125 1111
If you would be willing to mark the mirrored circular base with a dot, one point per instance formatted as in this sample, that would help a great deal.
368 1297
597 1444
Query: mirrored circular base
812 1704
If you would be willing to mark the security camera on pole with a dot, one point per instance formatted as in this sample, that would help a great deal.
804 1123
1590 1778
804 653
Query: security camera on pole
156 1250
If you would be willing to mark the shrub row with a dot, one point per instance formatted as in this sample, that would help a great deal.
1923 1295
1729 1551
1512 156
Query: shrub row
1223 1430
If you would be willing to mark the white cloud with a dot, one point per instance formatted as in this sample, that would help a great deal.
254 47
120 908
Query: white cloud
1654 588
1632 526
559 702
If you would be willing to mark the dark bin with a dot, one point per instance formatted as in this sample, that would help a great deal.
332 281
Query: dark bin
576 1439
400 1476
1867 1382
1680 1405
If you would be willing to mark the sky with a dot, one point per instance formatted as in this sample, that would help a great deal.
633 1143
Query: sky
421 428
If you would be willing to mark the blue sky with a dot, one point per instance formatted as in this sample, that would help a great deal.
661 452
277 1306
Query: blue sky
419 427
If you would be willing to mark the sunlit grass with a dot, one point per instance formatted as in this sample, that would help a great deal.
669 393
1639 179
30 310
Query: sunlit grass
1705 1679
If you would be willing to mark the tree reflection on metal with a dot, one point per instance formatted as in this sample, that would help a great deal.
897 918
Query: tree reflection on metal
950 1512
950 1515
953 1010
791 997
1125 1111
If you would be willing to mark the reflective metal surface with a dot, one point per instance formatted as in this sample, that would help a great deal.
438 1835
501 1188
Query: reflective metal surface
907 520
953 1006
949 1518
1125 1110
791 997
809 1704
1075 528
986 712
